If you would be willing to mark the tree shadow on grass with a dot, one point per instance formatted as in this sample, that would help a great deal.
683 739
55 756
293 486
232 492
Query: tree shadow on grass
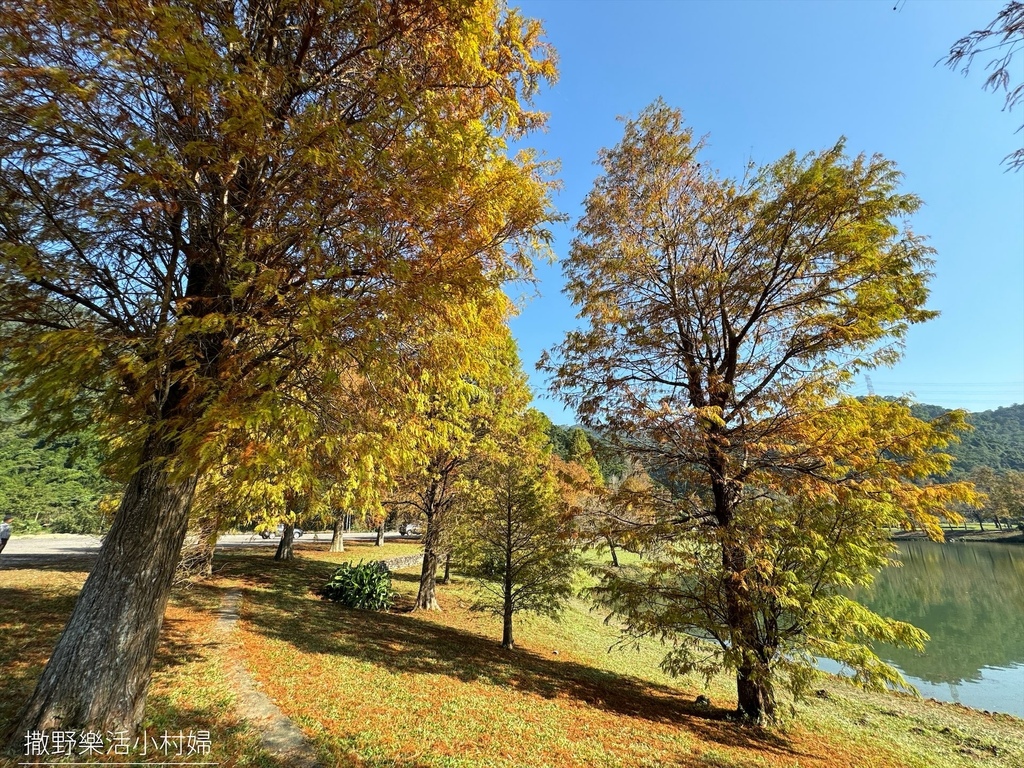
31 621
69 563
281 607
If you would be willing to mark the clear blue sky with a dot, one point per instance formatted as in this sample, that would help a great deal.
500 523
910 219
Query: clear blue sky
761 78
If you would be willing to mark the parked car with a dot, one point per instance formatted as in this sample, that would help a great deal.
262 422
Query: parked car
410 529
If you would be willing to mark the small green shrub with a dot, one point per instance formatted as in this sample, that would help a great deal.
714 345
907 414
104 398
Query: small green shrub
366 586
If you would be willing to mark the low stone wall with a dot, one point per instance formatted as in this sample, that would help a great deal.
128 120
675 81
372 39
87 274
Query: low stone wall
405 561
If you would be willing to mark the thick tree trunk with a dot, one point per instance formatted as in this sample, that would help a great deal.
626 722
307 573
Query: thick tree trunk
380 536
754 691
338 539
284 547
98 674
754 694
426 598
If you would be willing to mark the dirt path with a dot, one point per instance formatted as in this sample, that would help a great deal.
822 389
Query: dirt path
280 736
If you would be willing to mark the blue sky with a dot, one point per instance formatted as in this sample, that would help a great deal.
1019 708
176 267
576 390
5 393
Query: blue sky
765 77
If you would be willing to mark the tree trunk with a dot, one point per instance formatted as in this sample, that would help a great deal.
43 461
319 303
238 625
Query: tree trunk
755 695
447 568
507 640
426 598
196 561
380 535
284 548
615 556
98 675
507 608
338 539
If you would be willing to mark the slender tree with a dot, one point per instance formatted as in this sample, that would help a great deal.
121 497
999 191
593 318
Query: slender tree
724 317
480 393
205 205
519 542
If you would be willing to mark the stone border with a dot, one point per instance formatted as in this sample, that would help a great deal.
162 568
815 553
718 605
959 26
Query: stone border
398 563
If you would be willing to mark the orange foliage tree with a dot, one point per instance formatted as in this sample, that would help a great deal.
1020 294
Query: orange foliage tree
723 319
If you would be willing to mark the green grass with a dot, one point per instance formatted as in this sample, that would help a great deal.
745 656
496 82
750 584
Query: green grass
435 690
189 691
443 693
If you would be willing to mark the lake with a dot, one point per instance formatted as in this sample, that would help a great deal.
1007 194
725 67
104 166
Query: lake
970 598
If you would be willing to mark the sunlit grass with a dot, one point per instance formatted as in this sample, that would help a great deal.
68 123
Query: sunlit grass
424 690
435 689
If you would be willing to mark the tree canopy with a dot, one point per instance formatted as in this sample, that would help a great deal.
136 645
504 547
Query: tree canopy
207 207
1001 39
723 318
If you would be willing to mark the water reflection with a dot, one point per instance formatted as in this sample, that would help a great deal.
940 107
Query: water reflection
970 598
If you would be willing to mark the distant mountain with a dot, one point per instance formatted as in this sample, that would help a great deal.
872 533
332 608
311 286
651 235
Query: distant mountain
997 440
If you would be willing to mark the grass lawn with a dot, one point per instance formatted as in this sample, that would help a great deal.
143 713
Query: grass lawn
414 690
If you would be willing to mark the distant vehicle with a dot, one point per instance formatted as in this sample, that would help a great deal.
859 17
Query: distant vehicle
410 529
280 532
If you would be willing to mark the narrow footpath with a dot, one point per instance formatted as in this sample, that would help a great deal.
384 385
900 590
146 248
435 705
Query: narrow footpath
280 736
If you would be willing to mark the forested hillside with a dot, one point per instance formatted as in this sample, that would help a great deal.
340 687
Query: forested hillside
997 440
53 486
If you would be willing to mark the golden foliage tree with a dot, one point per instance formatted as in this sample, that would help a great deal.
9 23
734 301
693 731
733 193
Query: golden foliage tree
458 407
206 206
723 318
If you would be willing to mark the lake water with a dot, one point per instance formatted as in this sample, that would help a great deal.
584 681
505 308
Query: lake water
970 598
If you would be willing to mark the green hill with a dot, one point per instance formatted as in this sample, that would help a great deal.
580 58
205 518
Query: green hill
997 440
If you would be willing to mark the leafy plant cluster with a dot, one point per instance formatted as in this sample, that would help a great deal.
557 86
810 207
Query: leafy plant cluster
366 586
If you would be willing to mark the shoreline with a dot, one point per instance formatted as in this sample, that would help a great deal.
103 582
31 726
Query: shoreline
996 536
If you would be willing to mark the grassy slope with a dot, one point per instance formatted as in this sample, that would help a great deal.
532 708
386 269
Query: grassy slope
419 689
405 690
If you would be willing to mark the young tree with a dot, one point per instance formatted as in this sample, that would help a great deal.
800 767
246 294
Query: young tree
481 392
207 204
581 453
724 318
1004 36
1004 495
519 539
